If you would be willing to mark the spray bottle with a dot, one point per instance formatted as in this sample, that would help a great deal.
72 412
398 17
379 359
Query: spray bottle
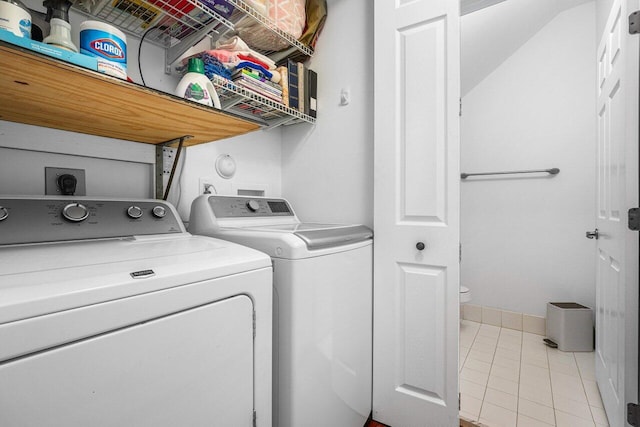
58 17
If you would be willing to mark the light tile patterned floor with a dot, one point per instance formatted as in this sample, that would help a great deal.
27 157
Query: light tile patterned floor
509 378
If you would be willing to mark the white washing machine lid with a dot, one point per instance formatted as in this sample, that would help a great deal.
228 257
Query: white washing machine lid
293 228
39 279
318 236
270 225
291 244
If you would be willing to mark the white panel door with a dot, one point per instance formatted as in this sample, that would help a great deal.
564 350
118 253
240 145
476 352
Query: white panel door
617 190
416 203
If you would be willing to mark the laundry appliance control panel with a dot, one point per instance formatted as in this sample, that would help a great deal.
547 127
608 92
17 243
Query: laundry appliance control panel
37 220
238 207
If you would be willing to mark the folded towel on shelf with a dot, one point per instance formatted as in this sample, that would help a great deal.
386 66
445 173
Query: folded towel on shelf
272 74
212 65
230 60
236 44
254 66
244 57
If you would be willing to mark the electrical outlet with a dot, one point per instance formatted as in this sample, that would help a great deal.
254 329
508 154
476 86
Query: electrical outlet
51 186
205 186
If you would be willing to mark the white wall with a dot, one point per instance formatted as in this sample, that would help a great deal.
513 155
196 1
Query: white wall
113 168
491 35
257 156
116 168
327 170
523 237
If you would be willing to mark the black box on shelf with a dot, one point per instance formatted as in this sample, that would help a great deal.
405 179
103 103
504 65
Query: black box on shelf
311 94
292 70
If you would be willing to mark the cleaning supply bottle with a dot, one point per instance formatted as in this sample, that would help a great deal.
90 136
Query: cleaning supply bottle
195 86
15 17
58 17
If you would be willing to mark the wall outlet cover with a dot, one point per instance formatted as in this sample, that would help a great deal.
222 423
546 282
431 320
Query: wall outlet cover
51 175
206 186
250 189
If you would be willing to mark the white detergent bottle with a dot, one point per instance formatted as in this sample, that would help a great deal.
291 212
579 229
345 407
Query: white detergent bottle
195 86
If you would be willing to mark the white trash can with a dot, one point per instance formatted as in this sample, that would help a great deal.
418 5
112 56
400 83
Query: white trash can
569 326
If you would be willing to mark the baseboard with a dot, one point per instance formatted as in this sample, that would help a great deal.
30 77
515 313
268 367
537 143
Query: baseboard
505 319
469 423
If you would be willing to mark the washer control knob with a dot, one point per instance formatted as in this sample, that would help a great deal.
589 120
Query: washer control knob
134 212
75 212
253 205
4 213
159 211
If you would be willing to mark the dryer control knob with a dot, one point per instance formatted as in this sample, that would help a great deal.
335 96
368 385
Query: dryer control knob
253 205
75 212
134 212
4 213
159 211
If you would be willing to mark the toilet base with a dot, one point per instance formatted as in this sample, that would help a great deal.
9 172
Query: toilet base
465 295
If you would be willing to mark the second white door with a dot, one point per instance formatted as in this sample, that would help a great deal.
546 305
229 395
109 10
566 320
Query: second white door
416 198
617 191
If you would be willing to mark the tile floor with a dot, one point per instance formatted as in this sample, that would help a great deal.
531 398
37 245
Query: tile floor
509 378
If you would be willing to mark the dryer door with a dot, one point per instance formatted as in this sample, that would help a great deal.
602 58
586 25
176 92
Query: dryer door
191 368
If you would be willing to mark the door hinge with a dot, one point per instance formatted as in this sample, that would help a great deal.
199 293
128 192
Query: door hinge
460 253
634 219
460 111
632 414
254 418
634 22
254 324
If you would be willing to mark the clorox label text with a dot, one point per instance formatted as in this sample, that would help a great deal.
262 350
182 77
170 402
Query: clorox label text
108 48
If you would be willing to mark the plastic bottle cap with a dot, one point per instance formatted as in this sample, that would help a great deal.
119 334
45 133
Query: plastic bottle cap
196 65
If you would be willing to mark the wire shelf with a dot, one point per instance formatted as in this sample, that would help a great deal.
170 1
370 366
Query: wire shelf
242 8
175 20
171 22
252 105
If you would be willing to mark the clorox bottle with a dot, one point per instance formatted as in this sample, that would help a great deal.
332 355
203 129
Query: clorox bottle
195 86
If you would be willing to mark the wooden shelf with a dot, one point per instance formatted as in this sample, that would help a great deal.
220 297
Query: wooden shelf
43 91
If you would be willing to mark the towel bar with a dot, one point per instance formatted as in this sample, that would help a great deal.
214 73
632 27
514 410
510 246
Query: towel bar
552 171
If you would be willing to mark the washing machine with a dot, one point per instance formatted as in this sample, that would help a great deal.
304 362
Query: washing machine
322 305
111 314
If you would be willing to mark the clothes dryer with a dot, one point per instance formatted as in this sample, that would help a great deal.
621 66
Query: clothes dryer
322 306
111 314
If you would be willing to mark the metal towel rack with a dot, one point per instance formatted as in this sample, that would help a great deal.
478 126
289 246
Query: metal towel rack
552 171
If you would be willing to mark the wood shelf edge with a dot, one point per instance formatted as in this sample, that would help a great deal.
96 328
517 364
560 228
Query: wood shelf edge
39 90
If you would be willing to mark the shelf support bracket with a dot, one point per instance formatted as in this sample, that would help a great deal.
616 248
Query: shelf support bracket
160 194
272 124
232 102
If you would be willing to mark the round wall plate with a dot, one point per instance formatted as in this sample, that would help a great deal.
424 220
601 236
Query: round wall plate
225 166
